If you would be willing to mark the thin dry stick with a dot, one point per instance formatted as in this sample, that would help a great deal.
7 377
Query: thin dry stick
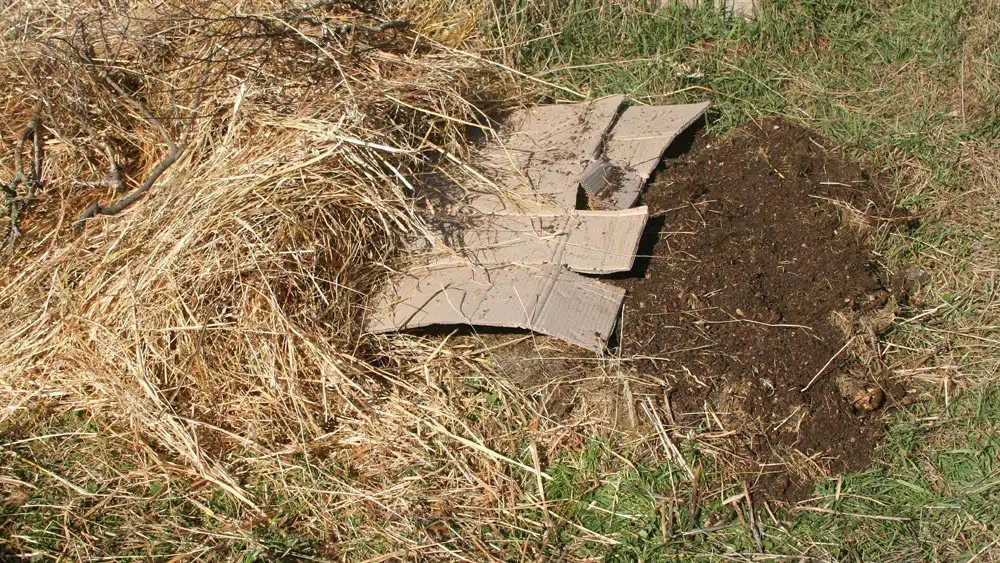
67 483
95 208
668 444
753 322
549 526
827 364
168 160
16 207
752 513
483 449
852 514
32 130
46 437
694 502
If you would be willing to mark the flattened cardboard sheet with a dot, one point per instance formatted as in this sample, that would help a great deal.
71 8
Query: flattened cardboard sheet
549 299
547 151
591 242
643 133
562 132
514 239
550 183
635 147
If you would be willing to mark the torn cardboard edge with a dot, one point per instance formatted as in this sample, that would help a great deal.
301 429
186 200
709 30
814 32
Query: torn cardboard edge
549 300
552 151
634 148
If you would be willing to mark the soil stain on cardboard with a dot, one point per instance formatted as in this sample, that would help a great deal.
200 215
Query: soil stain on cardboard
734 310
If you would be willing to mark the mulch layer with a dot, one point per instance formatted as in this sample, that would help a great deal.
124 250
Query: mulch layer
756 245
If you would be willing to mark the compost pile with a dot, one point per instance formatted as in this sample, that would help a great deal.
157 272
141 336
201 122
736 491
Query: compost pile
760 294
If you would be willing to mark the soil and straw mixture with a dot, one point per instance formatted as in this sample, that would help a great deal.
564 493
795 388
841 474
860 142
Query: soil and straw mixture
759 267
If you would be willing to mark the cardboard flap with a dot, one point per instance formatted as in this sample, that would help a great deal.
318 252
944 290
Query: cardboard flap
593 242
550 299
547 150
635 147
643 133
608 182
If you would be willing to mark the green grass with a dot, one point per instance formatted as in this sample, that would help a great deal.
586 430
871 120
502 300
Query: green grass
85 493
911 90
933 496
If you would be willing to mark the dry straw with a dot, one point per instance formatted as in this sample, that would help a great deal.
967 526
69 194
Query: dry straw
221 188
212 194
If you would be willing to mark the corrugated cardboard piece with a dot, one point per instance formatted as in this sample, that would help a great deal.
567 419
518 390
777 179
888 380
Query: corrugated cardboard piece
513 249
548 299
546 153
634 148
591 242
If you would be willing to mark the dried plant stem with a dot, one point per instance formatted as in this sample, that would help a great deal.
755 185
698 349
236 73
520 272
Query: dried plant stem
13 206
174 153
95 208
827 364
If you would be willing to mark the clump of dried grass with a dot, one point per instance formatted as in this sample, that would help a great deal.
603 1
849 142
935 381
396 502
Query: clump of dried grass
215 320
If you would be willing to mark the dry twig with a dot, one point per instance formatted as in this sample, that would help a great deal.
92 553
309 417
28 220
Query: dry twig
14 207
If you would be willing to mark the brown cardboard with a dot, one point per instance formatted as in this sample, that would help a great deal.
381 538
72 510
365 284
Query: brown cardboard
546 152
548 299
509 251
634 148
562 132
612 184
643 133
592 242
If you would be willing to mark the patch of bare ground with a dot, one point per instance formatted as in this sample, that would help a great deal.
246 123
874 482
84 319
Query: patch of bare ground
760 301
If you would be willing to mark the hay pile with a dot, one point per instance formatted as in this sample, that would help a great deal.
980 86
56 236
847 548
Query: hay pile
262 159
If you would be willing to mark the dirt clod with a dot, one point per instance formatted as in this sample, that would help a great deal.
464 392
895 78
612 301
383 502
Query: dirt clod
862 397
757 241
908 281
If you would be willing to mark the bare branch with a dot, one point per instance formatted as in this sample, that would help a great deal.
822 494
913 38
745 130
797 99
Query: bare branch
95 208
395 25
168 160
13 206
36 168
30 131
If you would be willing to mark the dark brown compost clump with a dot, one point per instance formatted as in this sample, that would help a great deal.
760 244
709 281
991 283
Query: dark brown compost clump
759 259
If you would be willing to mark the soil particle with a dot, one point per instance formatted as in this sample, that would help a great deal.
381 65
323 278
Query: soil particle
757 240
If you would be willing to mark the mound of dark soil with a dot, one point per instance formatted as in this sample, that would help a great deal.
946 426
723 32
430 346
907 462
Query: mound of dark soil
753 252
